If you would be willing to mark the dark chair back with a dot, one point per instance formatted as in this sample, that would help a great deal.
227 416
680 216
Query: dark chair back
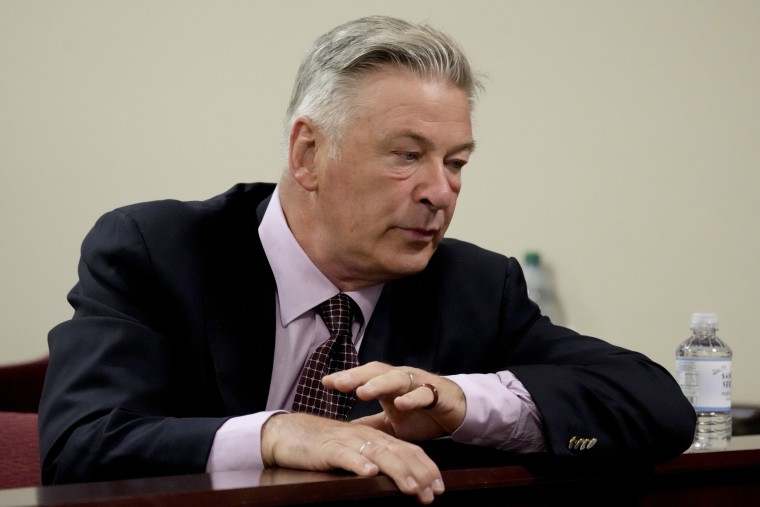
19 441
21 385
20 390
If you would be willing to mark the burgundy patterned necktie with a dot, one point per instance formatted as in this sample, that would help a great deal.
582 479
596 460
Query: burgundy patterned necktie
335 354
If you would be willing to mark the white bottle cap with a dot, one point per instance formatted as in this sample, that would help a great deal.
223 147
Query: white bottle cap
704 320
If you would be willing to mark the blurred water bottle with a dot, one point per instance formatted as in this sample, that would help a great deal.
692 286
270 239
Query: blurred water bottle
540 288
703 370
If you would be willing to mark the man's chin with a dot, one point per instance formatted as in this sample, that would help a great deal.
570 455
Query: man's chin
406 264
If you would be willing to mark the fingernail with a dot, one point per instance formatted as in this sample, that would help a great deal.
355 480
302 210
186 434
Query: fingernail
427 495
412 483
438 486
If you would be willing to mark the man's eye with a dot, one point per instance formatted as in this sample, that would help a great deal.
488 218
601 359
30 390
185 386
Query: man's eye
409 156
457 164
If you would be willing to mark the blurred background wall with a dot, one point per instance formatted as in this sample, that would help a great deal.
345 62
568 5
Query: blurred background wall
621 139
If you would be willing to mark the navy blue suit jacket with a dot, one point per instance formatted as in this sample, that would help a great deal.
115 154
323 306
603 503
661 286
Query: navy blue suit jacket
173 333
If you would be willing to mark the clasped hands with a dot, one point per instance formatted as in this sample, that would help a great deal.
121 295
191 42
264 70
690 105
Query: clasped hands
417 405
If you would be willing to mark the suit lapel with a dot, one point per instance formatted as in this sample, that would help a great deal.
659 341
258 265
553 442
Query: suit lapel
402 329
240 307
399 333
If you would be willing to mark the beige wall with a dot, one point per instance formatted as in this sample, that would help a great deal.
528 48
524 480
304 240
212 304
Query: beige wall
620 138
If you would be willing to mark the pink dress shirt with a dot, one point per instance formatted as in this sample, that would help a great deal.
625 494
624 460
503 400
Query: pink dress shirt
500 412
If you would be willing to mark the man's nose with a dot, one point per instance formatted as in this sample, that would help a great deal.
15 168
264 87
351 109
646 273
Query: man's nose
438 186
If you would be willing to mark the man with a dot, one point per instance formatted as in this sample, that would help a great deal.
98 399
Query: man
194 321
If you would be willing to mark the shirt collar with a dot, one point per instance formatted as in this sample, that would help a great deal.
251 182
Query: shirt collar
300 284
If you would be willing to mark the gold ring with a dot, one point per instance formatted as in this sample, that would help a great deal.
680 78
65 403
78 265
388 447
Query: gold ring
364 446
433 403
411 380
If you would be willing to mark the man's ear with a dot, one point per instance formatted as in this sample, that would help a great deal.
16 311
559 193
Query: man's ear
302 153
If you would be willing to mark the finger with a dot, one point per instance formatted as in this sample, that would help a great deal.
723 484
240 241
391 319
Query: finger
393 382
314 443
413 472
349 380
376 421
423 397
351 458
408 466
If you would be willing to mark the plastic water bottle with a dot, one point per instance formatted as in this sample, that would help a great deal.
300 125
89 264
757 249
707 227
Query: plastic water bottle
703 370
540 288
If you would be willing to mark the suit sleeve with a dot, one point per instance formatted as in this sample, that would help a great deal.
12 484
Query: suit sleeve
110 406
595 399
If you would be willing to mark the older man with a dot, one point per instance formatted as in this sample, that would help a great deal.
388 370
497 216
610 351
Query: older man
246 330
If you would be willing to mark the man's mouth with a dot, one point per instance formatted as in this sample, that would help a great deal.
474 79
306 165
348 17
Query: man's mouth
419 234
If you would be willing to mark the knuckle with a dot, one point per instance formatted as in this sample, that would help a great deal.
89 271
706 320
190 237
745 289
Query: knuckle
343 454
404 449
381 449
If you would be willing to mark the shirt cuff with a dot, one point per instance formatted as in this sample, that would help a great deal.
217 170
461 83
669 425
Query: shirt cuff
500 413
237 443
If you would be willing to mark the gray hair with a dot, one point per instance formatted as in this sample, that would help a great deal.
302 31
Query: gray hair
323 89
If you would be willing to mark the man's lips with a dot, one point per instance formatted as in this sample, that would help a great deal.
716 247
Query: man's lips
420 233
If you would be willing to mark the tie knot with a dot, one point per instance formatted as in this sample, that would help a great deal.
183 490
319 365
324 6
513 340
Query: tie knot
338 313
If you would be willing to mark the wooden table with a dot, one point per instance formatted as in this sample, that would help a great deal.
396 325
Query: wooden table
724 478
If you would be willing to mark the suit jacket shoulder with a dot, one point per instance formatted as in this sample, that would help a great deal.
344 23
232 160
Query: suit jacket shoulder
172 334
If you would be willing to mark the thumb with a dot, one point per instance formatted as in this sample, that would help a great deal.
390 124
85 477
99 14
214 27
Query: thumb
376 421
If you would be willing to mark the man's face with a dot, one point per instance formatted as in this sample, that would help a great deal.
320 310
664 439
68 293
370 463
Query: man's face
384 204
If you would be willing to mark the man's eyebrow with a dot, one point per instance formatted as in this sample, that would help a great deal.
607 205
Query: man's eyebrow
427 143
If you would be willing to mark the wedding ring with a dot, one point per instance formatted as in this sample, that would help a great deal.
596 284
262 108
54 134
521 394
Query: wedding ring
411 380
433 403
364 446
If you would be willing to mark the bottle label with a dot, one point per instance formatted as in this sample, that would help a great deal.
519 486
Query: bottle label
705 382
